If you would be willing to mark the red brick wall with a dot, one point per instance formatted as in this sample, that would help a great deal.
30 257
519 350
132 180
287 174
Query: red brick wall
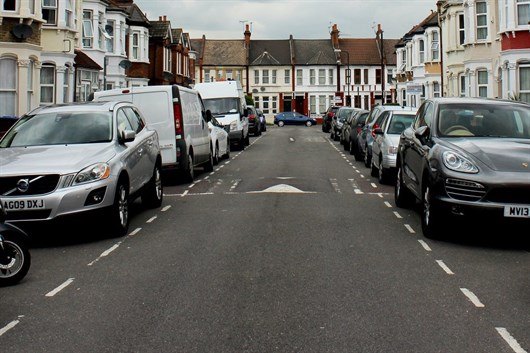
7 36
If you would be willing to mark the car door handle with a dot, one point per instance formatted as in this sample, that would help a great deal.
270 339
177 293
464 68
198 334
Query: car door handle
140 151
150 143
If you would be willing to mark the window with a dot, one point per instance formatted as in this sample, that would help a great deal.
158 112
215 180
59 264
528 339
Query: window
321 104
265 100
321 76
256 77
365 76
462 82
229 74
357 76
274 105
377 76
265 78
88 30
313 104
523 12
481 9
287 77
31 72
436 89
66 85
9 5
47 84
299 77
421 46
8 86
482 83
32 7
135 45
330 76
435 49
461 29
207 76
273 76
87 82
109 29
102 33
524 83
312 78
49 11
69 14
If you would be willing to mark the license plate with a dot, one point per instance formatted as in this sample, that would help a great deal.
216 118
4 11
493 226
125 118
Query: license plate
517 211
22 205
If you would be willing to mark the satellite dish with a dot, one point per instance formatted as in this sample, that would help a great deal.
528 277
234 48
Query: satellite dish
262 89
22 31
254 90
125 64
168 76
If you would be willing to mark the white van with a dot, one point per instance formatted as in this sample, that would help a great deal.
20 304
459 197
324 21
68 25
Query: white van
178 115
226 101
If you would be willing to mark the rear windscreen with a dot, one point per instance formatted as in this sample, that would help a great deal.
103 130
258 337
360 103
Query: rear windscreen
222 106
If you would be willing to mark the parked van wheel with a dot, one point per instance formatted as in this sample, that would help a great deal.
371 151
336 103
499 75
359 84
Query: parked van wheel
188 175
216 155
208 166
247 140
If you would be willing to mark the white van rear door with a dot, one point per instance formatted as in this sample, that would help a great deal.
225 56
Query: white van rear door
195 127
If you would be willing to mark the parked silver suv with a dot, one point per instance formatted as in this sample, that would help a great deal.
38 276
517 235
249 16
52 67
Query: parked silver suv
71 159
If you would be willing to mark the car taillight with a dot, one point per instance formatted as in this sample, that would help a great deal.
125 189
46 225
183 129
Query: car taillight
177 116
251 117
376 126
359 129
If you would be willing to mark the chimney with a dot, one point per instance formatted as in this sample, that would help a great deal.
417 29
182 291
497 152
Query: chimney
160 18
247 36
335 36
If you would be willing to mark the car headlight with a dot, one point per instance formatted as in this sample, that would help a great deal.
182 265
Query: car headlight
95 172
392 150
233 125
458 163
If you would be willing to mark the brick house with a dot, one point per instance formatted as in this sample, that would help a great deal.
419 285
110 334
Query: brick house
160 56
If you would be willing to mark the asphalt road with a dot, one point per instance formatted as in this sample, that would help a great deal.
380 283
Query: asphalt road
288 246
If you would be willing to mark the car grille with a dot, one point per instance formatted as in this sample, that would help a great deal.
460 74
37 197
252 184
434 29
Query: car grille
38 185
464 190
510 195
33 215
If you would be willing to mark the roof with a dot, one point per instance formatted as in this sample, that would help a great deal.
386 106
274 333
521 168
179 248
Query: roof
176 33
136 16
160 29
224 53
196 45
270 52
429 21
313 52
365 51
82 60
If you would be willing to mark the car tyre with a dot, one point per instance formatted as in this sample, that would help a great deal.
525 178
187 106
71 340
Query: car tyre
382 174
216 155
374 171
346 145
402 196
189 173
308 123
152 194
367 158
431 216
281 123
208 166
119 215
227 154
19 259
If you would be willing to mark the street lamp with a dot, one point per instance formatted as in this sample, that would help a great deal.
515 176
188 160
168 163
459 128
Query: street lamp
348 72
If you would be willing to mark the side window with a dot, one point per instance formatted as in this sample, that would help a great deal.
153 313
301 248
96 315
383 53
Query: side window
123 121
429 115
381 118
385 120
134 119
419 120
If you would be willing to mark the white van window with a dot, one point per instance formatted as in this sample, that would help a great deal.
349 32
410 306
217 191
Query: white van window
191 108
222 106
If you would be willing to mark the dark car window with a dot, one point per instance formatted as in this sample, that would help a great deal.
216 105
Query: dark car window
362 118
382 118
134 119
398 123
425 115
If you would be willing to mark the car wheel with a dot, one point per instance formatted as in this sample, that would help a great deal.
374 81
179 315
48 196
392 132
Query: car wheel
189 173
346 145
153 193
431 216
308 123
281 123
216 155
402 196
208 166
382 174
367 158
16 259
373 169
247 140
227 154
119 216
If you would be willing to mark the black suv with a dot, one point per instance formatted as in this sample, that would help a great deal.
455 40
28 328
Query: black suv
328 117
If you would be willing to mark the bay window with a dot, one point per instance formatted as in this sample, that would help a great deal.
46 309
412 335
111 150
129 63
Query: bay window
421 45
88 30
135 46
524 83
47 84
8 86
461 29
482 83
49 11
481 9
109 39
523 12
435 46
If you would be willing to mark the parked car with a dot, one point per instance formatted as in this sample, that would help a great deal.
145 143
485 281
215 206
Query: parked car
179 117
263 120
77 159
338 121
328 117
466 157
346 128
254 122
384 148
293 118
373 121
220 140
6 121
356 128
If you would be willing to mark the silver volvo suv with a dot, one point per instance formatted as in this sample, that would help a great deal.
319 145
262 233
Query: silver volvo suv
73 159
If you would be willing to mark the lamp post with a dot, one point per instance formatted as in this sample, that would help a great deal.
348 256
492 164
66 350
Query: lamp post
348 73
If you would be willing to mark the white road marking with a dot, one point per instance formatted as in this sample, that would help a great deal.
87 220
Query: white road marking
134 232
508 338
397 214
291 139
111 249
380 194
362 176
444 267
373 185
281 188
358 192
424 244
388 204
227 162
60 288
184 193
9 326
190 186
151 219
471 296
200 193
166 208
212 173
409 228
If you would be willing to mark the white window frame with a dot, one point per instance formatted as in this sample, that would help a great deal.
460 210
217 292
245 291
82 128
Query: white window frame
482 85
48 85
69 19
274 105
421 50
50 5
17 4
135 48
256 77
481 15
299 77
109 39
312 77
526 92
287 76
462 85
265 104
436 90
461 18
265 76
88 39
322 107
321 77
331 76
435 46
521 3
273 76
31 79
10 92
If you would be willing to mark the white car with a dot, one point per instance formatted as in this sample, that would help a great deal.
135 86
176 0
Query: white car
385 146
220 140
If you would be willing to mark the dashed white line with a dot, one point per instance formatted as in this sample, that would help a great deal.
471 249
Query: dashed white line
472 297
388 204
358 191
508 338
191 185
109 250
166 208
397 214
445 267
373 185
151 219
60 288
410 229
9 326
424 244
184 193
134 232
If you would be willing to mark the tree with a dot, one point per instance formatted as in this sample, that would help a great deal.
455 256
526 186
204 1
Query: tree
249 100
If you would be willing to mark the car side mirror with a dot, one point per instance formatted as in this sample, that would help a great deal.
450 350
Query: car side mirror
378 131
422 133
127 136
208 115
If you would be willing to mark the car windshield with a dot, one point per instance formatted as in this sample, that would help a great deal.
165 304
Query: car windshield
60 128
399 123
484 120
222 106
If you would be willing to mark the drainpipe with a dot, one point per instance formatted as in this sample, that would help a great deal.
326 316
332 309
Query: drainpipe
442 72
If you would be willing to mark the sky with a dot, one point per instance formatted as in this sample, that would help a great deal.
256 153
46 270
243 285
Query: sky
278 19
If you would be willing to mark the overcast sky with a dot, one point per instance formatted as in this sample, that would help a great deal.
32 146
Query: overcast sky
277 19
